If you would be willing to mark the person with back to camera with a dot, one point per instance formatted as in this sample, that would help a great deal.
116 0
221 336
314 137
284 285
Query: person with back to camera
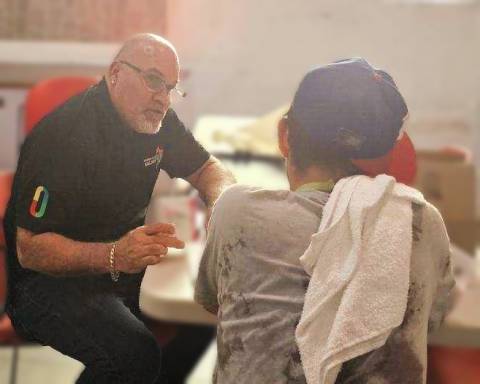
340 278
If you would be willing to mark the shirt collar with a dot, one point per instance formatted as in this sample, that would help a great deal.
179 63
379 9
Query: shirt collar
106 106
323 186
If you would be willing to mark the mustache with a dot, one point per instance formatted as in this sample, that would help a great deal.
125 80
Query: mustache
157 108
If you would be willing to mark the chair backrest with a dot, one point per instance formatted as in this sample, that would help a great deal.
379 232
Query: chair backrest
6 180
403 164
48 94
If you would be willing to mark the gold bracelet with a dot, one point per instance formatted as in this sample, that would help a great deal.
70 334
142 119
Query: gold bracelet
114 274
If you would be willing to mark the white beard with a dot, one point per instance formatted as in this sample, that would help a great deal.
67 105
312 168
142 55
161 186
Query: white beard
149 127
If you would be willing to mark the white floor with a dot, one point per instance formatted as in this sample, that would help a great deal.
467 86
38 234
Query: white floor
43 365
39 365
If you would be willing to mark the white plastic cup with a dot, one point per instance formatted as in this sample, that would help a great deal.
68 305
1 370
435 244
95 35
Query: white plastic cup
178 210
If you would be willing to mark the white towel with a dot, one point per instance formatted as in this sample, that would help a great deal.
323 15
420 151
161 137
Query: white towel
359 263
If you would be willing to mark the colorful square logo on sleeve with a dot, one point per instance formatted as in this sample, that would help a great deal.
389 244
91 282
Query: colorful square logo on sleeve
39 202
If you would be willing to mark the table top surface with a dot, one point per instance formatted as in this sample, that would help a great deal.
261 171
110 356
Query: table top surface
168 288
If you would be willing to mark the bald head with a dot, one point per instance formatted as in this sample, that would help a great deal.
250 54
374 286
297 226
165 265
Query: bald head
148 45
142 63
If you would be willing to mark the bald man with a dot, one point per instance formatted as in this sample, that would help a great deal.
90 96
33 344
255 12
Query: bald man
76 239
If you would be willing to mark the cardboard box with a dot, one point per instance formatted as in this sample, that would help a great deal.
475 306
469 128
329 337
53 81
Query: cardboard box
448 182
464 234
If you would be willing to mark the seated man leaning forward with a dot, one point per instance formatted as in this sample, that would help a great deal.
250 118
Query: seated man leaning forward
74 226
339 279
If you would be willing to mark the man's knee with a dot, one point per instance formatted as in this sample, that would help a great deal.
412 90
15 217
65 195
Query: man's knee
139 361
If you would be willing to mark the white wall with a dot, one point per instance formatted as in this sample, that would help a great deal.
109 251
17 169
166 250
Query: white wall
11 121
246 57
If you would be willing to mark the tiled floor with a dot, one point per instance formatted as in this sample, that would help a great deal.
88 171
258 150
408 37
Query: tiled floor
39 365
43 365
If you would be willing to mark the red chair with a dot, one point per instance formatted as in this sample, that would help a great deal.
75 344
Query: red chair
41 99
46 95
8 336
453 365
6 181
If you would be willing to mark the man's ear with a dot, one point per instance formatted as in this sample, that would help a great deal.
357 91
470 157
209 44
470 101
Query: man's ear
113 73
282 130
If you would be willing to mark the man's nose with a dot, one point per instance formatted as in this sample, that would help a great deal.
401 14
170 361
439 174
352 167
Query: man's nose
163 97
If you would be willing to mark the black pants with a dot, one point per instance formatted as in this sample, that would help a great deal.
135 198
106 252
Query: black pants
99 324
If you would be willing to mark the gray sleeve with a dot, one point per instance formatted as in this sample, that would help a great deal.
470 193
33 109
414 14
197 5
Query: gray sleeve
228 213
440 250
206 286
206 289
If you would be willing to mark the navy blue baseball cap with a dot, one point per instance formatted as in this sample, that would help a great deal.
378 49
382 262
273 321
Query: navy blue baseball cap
353 109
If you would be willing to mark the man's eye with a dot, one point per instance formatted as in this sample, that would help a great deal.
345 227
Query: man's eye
154 80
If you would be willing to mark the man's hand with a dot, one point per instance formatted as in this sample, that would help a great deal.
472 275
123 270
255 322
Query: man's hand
145 246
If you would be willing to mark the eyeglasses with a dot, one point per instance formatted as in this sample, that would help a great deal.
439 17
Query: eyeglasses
153 81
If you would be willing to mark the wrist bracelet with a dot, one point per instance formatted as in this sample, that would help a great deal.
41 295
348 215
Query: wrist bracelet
114 274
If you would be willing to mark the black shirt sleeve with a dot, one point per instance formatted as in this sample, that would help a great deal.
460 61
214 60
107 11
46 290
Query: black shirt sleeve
183 155
49 182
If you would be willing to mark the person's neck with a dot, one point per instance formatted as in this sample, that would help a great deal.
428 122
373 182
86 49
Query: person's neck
311 175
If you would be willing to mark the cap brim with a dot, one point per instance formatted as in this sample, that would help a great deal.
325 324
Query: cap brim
400 162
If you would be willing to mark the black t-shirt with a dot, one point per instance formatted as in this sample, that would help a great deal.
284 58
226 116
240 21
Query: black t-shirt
84 174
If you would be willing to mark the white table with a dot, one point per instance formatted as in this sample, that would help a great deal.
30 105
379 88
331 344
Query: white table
168 287
167 294
461 327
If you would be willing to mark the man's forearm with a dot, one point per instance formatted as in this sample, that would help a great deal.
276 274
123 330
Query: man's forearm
211 180
54 254
213 188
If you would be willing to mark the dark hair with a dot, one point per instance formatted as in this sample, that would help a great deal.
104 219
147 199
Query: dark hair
306 151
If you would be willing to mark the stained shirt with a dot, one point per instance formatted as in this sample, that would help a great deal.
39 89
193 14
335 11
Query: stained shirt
250 276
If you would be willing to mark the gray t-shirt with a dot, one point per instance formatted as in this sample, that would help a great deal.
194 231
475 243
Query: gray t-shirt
251 275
